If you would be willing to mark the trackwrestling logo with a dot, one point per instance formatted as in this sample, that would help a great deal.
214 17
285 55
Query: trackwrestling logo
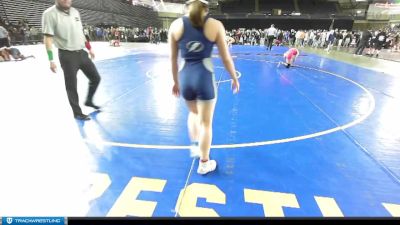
32 220
195 46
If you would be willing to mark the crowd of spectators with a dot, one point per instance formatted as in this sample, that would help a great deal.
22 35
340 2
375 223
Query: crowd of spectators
125 34
22 33
326 39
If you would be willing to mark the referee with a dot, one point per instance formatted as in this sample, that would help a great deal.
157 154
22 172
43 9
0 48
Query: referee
271 35
61 25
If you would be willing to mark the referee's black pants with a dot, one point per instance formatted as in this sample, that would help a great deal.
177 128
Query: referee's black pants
270 42
71 62
360 48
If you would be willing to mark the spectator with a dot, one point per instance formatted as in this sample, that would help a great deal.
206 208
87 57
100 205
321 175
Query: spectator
271 35
4 37
292 37
340 37
347 40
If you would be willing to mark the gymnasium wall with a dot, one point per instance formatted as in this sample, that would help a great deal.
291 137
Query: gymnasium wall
366 24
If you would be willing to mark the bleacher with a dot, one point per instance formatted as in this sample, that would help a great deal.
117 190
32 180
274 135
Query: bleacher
266 7
286 6
23 9
317 7
240 6
92 12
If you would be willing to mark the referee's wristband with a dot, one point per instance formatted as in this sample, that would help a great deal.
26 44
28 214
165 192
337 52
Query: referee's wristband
50 55
87 45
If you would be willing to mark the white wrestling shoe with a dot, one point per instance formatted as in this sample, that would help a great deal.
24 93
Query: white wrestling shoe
206 167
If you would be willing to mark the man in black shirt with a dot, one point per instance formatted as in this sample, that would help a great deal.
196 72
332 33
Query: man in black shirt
365 38
380 40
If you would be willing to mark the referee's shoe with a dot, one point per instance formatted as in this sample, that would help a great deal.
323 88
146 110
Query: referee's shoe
90 104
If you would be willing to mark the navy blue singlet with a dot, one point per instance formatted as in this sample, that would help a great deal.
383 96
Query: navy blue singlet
196 76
